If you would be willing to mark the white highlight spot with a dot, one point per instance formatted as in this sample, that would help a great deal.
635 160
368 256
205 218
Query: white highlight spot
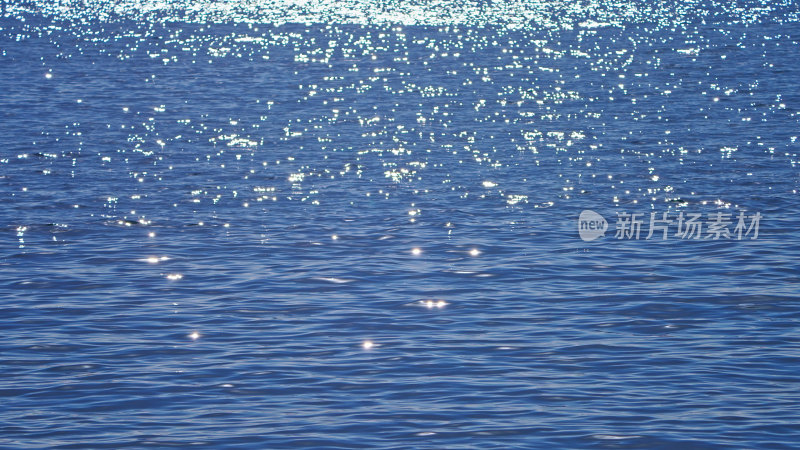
156 259
367 344
194 335
474 252
174 276
416 251
430 304
334 280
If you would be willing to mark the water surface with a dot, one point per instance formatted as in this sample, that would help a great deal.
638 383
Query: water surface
347 225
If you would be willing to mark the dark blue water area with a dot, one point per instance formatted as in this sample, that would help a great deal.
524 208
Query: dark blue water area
263 232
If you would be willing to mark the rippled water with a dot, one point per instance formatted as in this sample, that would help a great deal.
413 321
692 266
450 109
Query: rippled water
354 224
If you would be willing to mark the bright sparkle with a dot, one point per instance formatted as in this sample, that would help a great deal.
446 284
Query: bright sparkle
430 304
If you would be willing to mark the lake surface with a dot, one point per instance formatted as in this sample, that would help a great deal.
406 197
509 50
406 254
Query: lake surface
355 224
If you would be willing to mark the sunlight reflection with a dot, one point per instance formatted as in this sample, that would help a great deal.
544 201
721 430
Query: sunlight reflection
155 259
430 304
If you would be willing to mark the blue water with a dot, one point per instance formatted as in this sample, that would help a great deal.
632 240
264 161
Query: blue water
354 225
